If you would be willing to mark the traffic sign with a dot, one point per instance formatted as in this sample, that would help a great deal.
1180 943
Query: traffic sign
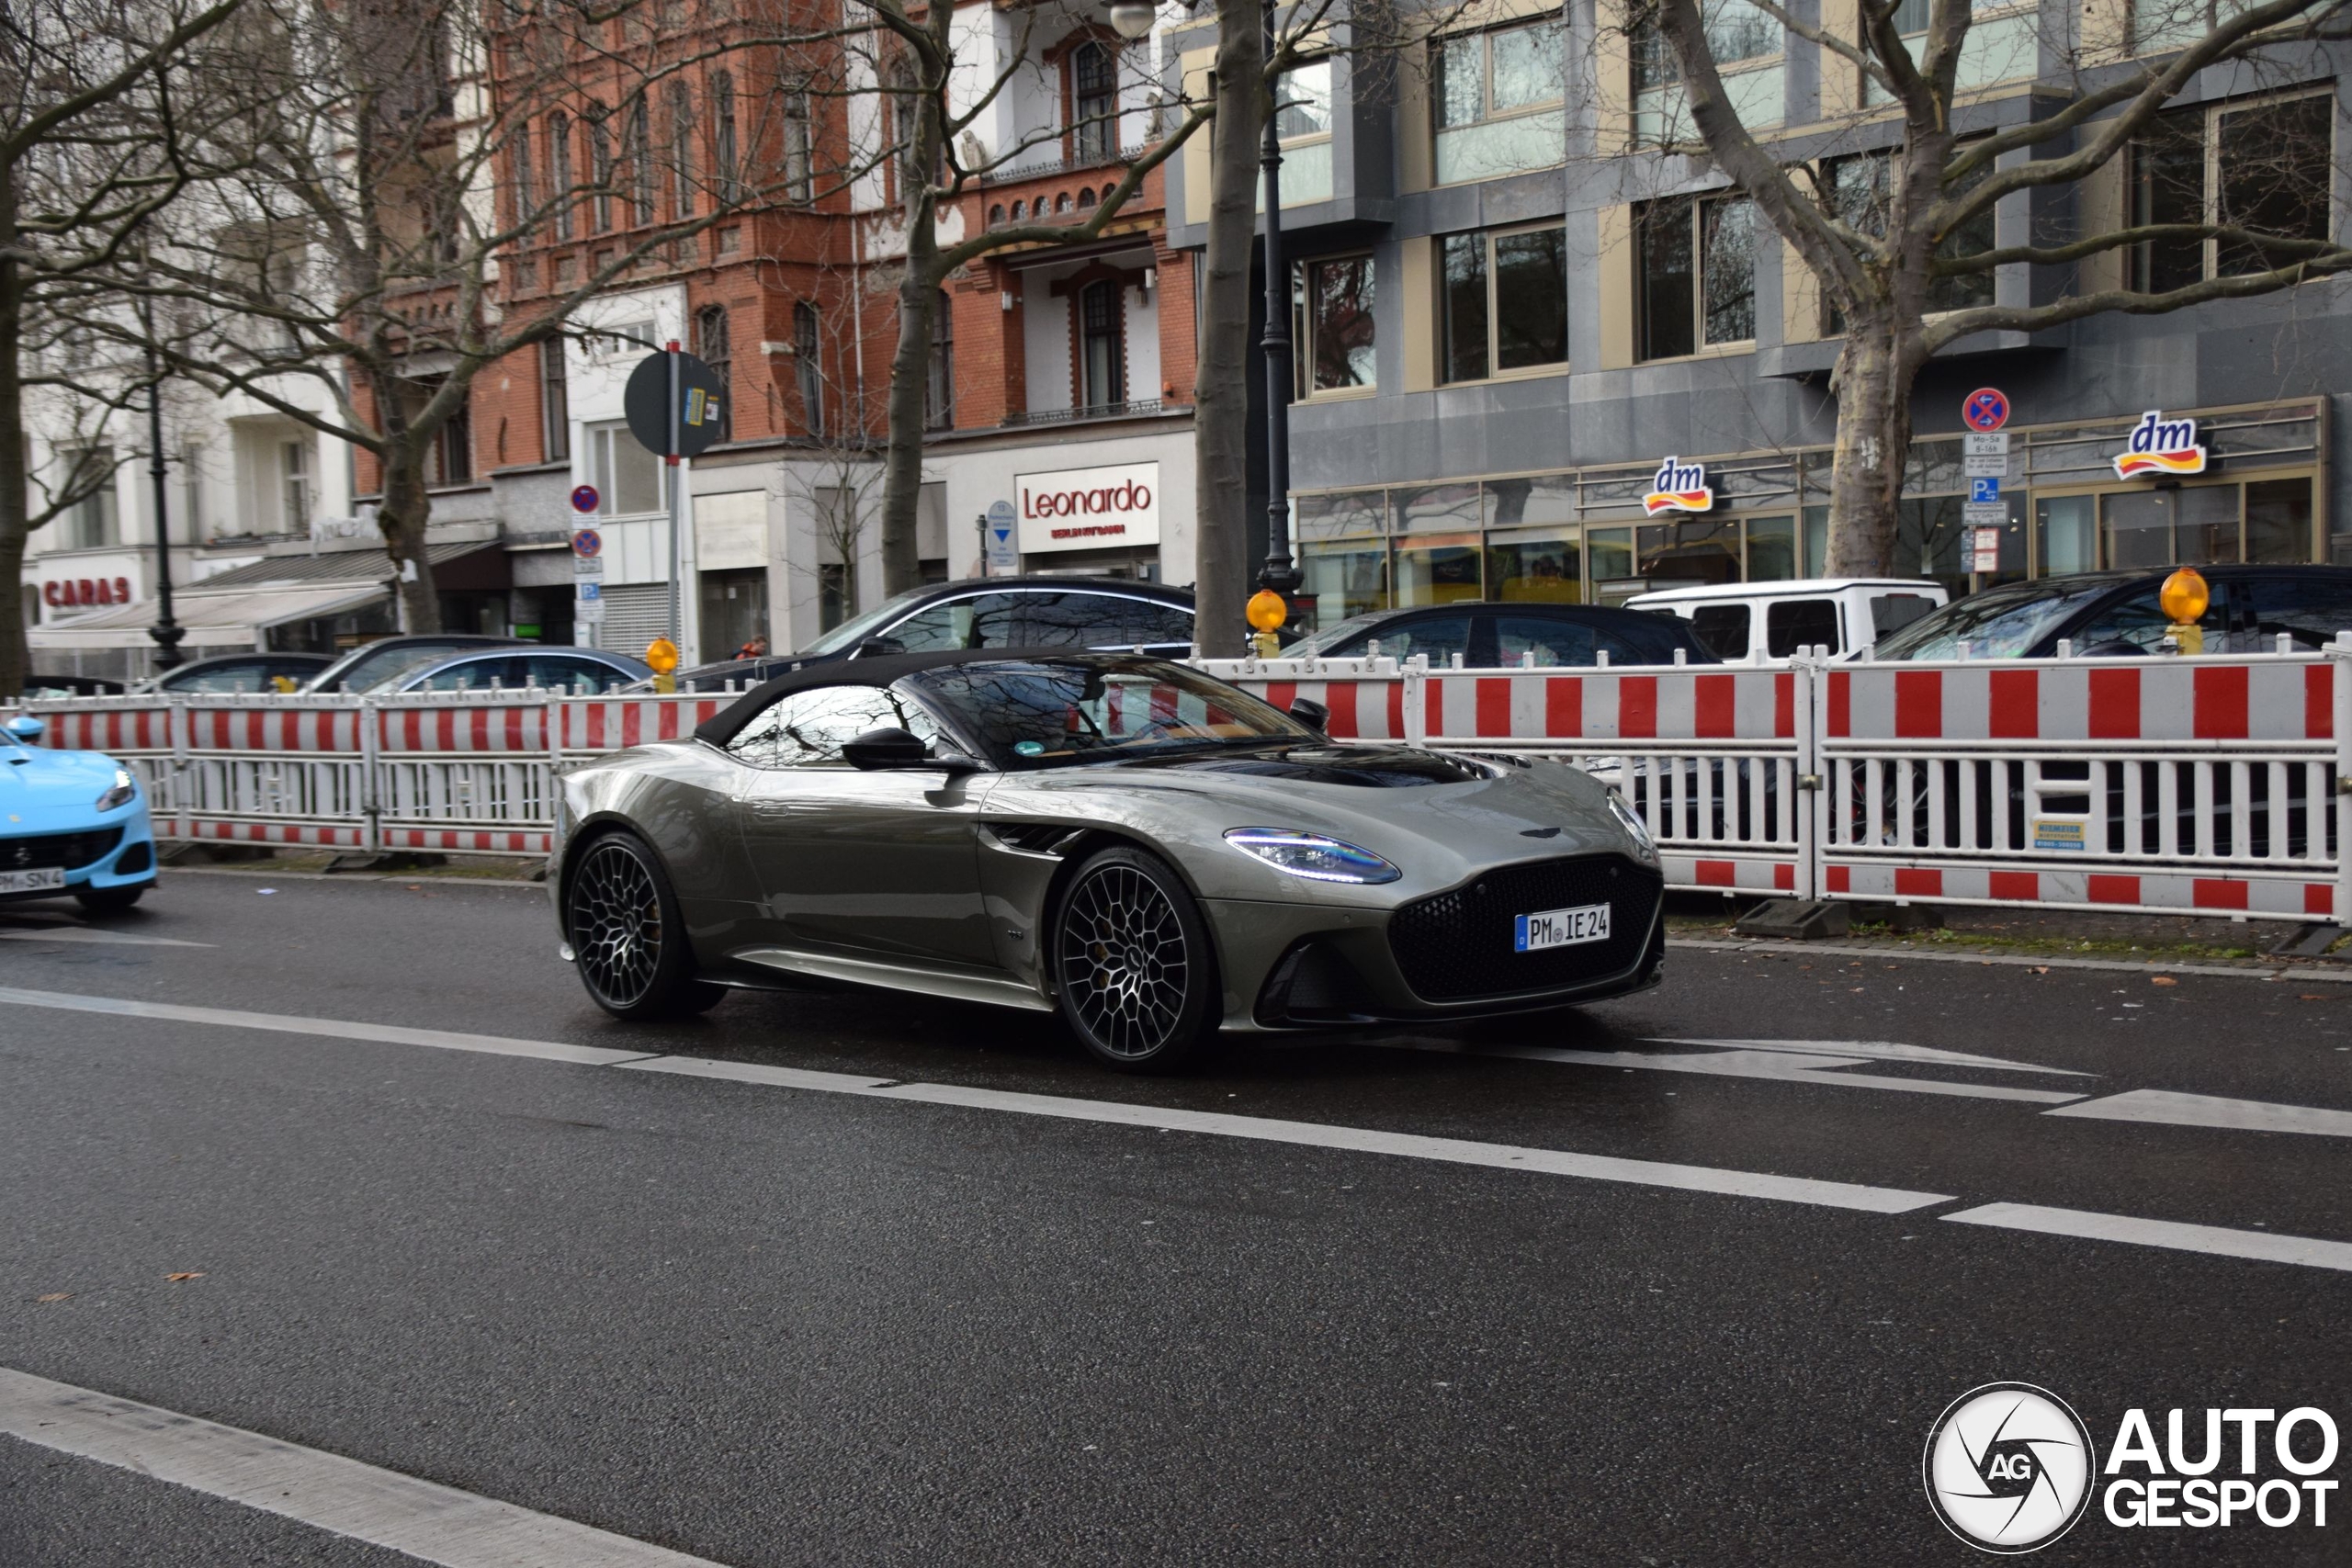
585 498
701 405
1983 549
1984 490
587 544
1984 514
1003 554
1988 408
1985 455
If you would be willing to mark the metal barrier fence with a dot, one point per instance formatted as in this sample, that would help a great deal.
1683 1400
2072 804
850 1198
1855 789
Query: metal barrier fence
2213 785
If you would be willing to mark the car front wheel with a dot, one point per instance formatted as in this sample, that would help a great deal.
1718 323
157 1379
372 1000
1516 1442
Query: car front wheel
1134 970
628 937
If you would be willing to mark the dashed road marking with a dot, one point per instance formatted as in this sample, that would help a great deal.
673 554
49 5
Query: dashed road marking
2222 1241
2211 1110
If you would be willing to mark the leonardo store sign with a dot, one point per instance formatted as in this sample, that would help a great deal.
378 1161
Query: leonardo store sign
1088 509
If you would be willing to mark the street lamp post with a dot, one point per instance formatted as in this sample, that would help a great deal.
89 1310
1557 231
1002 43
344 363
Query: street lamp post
1279 575
166 630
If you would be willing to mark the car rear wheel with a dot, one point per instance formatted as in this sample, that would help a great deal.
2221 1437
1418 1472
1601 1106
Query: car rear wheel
627 938
1133 966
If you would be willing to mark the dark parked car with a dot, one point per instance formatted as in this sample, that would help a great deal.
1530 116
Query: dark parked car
1492 635
587 670
72 686
2108 614
1104 612
377 664
242 672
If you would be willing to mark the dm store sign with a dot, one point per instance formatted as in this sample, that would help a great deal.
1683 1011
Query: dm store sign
2160 445
1678 486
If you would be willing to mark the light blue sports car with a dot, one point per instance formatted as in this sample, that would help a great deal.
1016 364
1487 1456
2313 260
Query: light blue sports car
71 822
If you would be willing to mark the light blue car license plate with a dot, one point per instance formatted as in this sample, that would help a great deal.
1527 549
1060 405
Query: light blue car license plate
1560 928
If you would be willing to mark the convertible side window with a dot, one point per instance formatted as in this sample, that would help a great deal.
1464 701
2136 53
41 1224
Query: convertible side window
808 729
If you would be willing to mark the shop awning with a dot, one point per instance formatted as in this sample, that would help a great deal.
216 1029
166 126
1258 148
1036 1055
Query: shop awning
211 620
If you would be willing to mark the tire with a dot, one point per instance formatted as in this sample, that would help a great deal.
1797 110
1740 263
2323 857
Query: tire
110 900
1134 970
627 938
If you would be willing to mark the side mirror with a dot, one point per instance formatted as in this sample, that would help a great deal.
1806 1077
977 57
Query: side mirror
887 747
28 729
1310 713
879 648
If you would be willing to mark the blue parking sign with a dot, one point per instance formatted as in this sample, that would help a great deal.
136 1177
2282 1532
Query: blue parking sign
1981 490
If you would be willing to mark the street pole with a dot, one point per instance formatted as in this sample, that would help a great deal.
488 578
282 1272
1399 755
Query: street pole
166 630
677 543
1278 574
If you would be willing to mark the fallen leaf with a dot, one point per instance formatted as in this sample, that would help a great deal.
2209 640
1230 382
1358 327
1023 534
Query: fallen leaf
2042 968
2162 980
191 1274
56 1296
2305 997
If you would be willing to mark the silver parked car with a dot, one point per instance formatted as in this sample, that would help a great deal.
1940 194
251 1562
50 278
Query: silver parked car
1150 851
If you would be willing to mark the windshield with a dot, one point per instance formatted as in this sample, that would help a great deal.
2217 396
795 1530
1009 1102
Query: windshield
2000 623
1054 713
857 629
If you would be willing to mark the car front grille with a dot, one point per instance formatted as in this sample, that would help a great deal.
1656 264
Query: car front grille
36 850
1456 946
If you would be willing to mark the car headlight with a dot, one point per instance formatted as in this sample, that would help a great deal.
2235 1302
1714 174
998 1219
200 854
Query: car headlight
122 792
1635 828
1311 855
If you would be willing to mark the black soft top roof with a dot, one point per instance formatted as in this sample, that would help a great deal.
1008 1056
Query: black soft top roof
880 669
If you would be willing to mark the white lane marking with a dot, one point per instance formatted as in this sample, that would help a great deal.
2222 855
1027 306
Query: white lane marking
1777 949
2219 1240
1412 1145
383 1507
1884 1051
1781 1068
388 1034
89 934
2211 1110
1557 1162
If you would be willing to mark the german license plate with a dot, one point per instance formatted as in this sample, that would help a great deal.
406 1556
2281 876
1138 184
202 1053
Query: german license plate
1560 928
39 880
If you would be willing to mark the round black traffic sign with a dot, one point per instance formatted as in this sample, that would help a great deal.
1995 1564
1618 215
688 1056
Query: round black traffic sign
700 412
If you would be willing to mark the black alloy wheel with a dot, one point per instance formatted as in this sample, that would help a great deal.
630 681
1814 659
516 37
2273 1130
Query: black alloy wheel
626 936
1133 966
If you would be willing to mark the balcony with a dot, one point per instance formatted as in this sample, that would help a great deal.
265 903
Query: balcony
1141 408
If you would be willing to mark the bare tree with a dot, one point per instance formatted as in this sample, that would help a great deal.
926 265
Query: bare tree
1895 238
1221 383
96 110
364 245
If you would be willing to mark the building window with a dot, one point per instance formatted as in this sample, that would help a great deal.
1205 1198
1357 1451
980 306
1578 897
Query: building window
1503 301
710 343
1094 101
1698 274
1498 98
600 172
641 177
91 523
559 171
722 117
1103 346
519 155
2263 168
192 518
799 157
939 395
1749 55
1333 331
295 484
627 477
835 596
682 150
808 367
555 403
2004 42
453 448
1860 190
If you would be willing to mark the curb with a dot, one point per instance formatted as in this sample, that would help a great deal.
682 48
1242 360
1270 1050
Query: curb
2118 966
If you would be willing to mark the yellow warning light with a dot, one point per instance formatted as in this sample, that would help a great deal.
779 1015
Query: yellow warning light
662 654
2185 596
1266 610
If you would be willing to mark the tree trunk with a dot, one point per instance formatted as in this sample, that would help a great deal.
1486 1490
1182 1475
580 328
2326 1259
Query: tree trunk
1221 398
909 380
14 499
401 516
1874 387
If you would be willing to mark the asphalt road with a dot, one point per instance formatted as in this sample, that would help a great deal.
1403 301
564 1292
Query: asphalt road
927 1321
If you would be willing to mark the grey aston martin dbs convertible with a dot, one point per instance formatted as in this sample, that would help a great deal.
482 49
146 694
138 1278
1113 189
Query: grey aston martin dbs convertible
1151 852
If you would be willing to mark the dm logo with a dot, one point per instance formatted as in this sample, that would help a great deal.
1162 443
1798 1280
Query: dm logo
1679 486
2160 445
2009 1468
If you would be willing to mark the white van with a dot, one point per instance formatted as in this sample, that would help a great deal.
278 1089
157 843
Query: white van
1766 623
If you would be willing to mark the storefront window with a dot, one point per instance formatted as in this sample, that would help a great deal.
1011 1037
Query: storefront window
1930 540
1816 542
1345 579
2168 527
1438 570
1452 507
1690 550
2067 525
1609 562
1533 569
2279 521
1342 515
1544 498
1771 549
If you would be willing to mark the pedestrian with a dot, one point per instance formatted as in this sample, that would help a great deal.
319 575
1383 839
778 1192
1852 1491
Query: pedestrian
755 648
